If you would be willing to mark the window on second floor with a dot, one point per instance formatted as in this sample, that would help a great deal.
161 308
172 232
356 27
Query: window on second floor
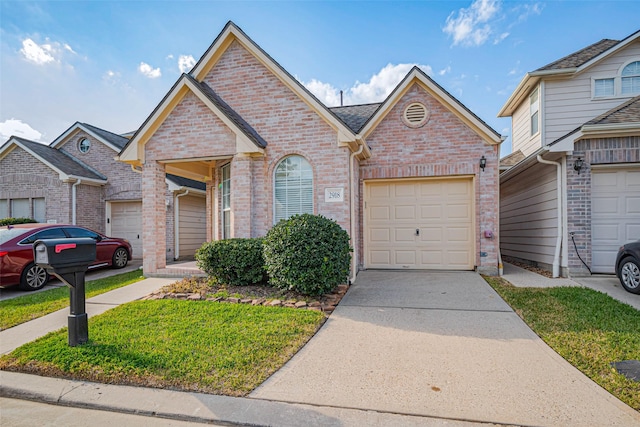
631 78
625 84
534 112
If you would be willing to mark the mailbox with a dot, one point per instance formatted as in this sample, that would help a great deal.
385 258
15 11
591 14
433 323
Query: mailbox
65 255
68 260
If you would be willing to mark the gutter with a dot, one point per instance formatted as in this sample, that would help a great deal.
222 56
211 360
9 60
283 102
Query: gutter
556 256
354 263
74 201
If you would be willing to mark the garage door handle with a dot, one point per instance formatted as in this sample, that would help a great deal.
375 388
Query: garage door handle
417 231
138 236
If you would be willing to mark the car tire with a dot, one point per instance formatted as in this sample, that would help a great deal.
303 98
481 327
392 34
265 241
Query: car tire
629 274
120 258
33 278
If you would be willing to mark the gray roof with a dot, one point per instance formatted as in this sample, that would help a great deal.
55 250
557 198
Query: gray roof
246 128
355 116
627 112
186 182
60 160
114 139
512 159
582 56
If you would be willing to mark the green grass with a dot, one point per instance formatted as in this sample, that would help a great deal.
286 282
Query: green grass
187 345
33 305
587 328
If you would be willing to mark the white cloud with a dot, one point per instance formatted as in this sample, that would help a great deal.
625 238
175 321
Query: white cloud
375 90
14 127
500 38
38 54
471 26
186 63
444 71
148 71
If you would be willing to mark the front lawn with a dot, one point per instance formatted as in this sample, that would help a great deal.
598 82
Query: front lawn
587 328
197 346
33 305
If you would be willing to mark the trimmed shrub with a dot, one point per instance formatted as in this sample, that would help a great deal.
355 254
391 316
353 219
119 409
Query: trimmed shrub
236 262
12 221
309 254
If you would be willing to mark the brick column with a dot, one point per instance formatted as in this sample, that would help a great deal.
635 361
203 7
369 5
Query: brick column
154 217
241 197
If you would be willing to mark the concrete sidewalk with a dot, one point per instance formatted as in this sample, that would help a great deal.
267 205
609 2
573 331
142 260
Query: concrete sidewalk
608 284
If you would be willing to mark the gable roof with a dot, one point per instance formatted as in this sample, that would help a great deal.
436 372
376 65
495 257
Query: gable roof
110 139
417 76
133 152
511 159
67 167
571 64
180 181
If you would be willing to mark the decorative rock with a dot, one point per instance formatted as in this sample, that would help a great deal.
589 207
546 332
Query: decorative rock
300 304
314 304
233 300
215 299
258 301
275 303
246 301
314 308
342 289
180 295
194 297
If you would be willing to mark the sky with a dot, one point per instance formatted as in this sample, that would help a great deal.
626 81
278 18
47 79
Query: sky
109 63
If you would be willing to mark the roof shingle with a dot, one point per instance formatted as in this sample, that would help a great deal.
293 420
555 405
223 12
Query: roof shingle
355 116
627 112
580 57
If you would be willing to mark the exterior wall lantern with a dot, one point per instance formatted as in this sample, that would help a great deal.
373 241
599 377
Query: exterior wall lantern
577 165
483 163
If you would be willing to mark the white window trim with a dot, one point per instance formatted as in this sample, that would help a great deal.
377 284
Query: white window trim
273 184
617 83
538 111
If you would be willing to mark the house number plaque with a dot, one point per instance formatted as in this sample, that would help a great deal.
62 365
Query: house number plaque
333 195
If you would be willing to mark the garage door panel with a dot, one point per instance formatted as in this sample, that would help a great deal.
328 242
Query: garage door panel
615 214
405 212
442 211
126 222
379 235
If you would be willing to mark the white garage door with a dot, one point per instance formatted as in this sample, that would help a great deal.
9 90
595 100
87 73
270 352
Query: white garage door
192 225
615 214
126 221
419 224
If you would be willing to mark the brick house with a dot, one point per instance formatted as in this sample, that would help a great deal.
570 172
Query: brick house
570 191
76 180
402 177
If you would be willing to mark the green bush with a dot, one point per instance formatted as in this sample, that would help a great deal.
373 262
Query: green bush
12 221
237 262
306 253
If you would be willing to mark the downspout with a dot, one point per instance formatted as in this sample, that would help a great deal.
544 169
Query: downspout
176 225
73 201
354 264
556 256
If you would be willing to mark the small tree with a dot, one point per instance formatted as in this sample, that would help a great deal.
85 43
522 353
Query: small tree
307 253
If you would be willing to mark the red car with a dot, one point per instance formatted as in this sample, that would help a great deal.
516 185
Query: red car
16 252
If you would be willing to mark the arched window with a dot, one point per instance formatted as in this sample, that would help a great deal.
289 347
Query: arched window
631 78
293 188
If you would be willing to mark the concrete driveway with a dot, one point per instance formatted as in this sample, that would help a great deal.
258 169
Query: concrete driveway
443 345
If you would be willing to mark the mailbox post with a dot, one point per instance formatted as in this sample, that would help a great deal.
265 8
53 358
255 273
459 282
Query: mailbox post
68 260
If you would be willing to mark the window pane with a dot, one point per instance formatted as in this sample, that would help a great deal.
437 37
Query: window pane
293 188
603 87
534 123
20 208
39 210
4 209
632 69
49 233
80 232
533 111
630 85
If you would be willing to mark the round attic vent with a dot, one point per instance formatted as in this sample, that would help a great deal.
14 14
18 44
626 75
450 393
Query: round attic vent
415 115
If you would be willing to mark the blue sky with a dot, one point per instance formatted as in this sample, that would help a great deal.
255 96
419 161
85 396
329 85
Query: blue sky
109 63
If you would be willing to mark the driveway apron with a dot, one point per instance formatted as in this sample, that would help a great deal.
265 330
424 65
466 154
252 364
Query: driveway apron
439 344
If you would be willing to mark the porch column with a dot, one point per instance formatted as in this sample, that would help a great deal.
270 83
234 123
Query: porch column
154 217
241 197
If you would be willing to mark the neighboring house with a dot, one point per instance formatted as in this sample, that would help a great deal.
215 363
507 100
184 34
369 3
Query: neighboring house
577 193
76 180
402 177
